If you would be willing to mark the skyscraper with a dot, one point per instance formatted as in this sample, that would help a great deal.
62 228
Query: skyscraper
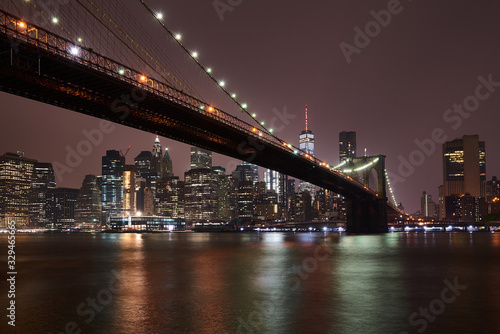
347 145
464 175
255 171
464 163
201 195
129 194
428 208
167 169
88 208
306 144
16 174
169 201
112 184
200 158
43 180
61 207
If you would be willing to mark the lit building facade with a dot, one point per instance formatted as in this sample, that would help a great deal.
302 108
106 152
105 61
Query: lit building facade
347 145
113 165
61 207
169 200
16 175
200 158
464 176
129 191
201 195
428 208
88 209
43 180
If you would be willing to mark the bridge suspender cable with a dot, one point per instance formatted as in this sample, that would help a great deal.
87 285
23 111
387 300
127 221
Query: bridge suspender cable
207 70
128 47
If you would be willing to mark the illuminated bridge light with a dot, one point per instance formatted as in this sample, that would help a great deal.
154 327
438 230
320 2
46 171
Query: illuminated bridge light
262 123
55 20
121 71
254 115
210 109
209 70
222 83
244 106
22 24
195 54
260 134
159 16
143 78
271 130
178 37
79 39
254 129
233 96
74 51
296 152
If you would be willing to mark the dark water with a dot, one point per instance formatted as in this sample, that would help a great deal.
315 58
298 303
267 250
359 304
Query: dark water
256 283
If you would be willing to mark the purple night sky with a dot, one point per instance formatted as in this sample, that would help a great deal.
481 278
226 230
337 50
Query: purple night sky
285 54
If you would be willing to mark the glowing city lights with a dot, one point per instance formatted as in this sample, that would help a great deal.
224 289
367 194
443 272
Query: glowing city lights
55 20
159 16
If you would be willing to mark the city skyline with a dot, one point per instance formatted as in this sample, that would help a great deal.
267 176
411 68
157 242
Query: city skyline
390 118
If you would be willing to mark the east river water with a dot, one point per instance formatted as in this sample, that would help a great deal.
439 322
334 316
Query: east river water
255 283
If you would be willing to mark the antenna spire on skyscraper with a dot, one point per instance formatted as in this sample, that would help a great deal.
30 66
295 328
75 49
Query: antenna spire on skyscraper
306 117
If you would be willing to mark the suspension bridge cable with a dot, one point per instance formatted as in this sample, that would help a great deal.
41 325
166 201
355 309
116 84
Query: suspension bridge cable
207 70
125 44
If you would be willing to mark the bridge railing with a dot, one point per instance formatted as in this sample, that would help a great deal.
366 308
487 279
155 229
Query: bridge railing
20 30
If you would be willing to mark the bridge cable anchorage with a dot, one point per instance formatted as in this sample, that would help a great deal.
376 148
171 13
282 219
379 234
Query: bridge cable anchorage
135 44
208 71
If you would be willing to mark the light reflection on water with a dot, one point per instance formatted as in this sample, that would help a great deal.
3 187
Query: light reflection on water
257 282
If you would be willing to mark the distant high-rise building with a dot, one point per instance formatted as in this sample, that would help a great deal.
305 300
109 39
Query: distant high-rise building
277 182
347 145
112 184
161 164
157 150
129 192
464 175
254 169
43 180
200 158
143 164
464 163
246 172
306 144
167 169
226 194
245 200
201 195
16 175
428 208
61 207
169 201
88 208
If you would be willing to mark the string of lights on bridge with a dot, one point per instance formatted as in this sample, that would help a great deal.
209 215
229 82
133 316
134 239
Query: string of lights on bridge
75 50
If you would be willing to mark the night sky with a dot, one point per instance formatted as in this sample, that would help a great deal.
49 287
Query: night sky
285 54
